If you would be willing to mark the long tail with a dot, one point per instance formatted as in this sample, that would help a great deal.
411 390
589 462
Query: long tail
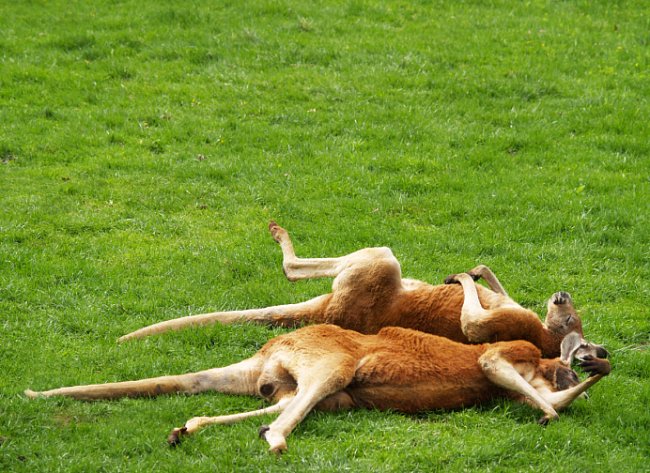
288 315
239 378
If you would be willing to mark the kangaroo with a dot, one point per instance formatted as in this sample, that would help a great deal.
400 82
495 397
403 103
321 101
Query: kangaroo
329 368
369 293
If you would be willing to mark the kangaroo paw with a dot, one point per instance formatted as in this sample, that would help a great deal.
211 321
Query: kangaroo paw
451 279
595 366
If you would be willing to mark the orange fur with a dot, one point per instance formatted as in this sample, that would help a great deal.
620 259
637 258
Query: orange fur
369 293
330 368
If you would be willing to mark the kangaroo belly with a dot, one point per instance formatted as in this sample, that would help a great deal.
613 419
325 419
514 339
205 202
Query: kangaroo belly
411 371
424 396
429 309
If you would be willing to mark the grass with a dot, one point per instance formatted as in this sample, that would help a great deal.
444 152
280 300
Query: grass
145 145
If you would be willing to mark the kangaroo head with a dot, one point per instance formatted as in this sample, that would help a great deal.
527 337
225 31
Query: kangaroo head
558 371
575 347
562 319
561 316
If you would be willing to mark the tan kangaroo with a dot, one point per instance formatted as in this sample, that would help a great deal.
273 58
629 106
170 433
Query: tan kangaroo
329 368
369 293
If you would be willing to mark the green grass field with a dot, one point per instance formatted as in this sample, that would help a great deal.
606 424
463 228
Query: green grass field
144 146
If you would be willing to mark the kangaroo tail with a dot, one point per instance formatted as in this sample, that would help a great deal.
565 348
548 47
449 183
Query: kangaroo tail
288 315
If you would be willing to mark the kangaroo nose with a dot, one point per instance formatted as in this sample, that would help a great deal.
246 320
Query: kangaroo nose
602 353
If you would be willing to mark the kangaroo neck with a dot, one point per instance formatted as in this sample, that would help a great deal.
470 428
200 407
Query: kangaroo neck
550 342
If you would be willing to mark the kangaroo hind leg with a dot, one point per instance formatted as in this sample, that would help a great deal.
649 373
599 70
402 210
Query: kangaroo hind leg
309 268
302 268
197 423
317 380
501 371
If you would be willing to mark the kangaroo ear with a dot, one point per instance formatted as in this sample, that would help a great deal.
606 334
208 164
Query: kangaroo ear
569 345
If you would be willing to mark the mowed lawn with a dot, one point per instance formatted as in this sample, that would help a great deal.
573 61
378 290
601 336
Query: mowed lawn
145 145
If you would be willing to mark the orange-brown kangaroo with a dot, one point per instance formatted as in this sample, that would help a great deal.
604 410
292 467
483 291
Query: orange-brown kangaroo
330 368
369 293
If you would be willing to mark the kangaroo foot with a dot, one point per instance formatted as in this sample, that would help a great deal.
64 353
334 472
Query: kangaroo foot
277 232
561 298
174 437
